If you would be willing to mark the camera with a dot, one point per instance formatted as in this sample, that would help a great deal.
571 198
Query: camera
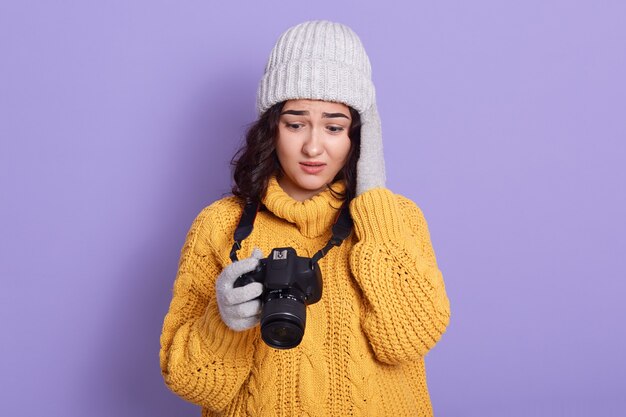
290 282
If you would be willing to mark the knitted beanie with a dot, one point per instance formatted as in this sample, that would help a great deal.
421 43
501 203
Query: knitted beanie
322 60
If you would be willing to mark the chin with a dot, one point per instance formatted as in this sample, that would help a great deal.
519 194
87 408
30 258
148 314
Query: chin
308 183
312 184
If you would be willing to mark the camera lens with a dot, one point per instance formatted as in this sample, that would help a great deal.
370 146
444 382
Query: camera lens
283 320
282 335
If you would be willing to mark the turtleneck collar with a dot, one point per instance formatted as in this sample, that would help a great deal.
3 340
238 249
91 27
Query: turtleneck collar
313 216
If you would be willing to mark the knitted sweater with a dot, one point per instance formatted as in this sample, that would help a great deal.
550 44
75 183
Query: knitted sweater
384 306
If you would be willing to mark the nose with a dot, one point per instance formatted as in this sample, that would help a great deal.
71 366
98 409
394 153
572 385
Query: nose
312 146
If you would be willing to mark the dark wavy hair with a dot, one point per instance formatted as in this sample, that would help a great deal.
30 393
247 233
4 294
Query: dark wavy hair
256 161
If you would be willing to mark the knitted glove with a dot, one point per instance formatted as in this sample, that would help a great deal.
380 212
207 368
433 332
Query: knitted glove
370 168
239 307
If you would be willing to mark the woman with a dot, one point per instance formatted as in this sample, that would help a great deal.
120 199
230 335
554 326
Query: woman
315 148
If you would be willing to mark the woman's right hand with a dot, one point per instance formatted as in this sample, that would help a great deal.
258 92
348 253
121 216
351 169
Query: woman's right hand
240 307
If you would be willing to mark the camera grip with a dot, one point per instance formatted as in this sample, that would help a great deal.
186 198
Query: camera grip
253 276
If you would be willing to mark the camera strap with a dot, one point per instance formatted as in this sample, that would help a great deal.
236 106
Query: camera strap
245 226
341 229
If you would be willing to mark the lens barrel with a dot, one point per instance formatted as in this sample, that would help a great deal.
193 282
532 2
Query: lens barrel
283 320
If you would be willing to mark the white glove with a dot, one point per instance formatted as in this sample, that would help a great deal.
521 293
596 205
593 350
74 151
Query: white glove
370 168
240 307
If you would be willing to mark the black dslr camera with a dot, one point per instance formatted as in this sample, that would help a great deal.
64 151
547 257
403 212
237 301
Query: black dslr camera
290 282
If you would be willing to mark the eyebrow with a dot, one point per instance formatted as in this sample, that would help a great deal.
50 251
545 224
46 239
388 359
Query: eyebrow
306 113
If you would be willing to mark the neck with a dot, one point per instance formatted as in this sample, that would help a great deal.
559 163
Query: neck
313 216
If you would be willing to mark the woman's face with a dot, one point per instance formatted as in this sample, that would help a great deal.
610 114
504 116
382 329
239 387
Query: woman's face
312 145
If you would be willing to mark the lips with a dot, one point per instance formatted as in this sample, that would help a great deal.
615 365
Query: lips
312 167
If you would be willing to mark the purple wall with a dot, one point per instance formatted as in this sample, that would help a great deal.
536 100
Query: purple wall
506 123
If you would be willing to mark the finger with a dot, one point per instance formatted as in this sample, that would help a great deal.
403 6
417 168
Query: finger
248 309
257 253
243 324
233 271
243 266
240 295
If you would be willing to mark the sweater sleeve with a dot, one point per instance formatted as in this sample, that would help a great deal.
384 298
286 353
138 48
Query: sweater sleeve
406 306
202 360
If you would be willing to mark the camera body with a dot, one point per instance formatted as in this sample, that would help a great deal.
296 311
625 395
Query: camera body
290 282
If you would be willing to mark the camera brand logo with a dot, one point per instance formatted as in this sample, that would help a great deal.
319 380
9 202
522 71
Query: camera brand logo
280 254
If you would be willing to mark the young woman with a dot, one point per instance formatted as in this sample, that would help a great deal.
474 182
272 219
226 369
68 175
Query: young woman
316 148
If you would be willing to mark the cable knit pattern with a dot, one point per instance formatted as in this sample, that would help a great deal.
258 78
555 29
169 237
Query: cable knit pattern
384 306
407 309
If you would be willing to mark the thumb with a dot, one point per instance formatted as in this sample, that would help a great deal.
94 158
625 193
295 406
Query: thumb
257 253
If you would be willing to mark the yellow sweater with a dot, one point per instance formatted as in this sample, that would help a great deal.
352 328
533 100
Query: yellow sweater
384 306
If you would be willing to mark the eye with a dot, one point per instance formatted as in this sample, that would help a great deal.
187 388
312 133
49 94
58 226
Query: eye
335 129
294 126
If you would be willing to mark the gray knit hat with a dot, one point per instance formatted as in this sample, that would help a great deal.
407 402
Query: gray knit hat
318 60
322 60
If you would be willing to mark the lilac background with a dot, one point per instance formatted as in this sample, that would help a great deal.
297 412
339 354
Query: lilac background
505 121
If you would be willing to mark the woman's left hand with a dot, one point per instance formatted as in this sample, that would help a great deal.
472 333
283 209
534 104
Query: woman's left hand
371 165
